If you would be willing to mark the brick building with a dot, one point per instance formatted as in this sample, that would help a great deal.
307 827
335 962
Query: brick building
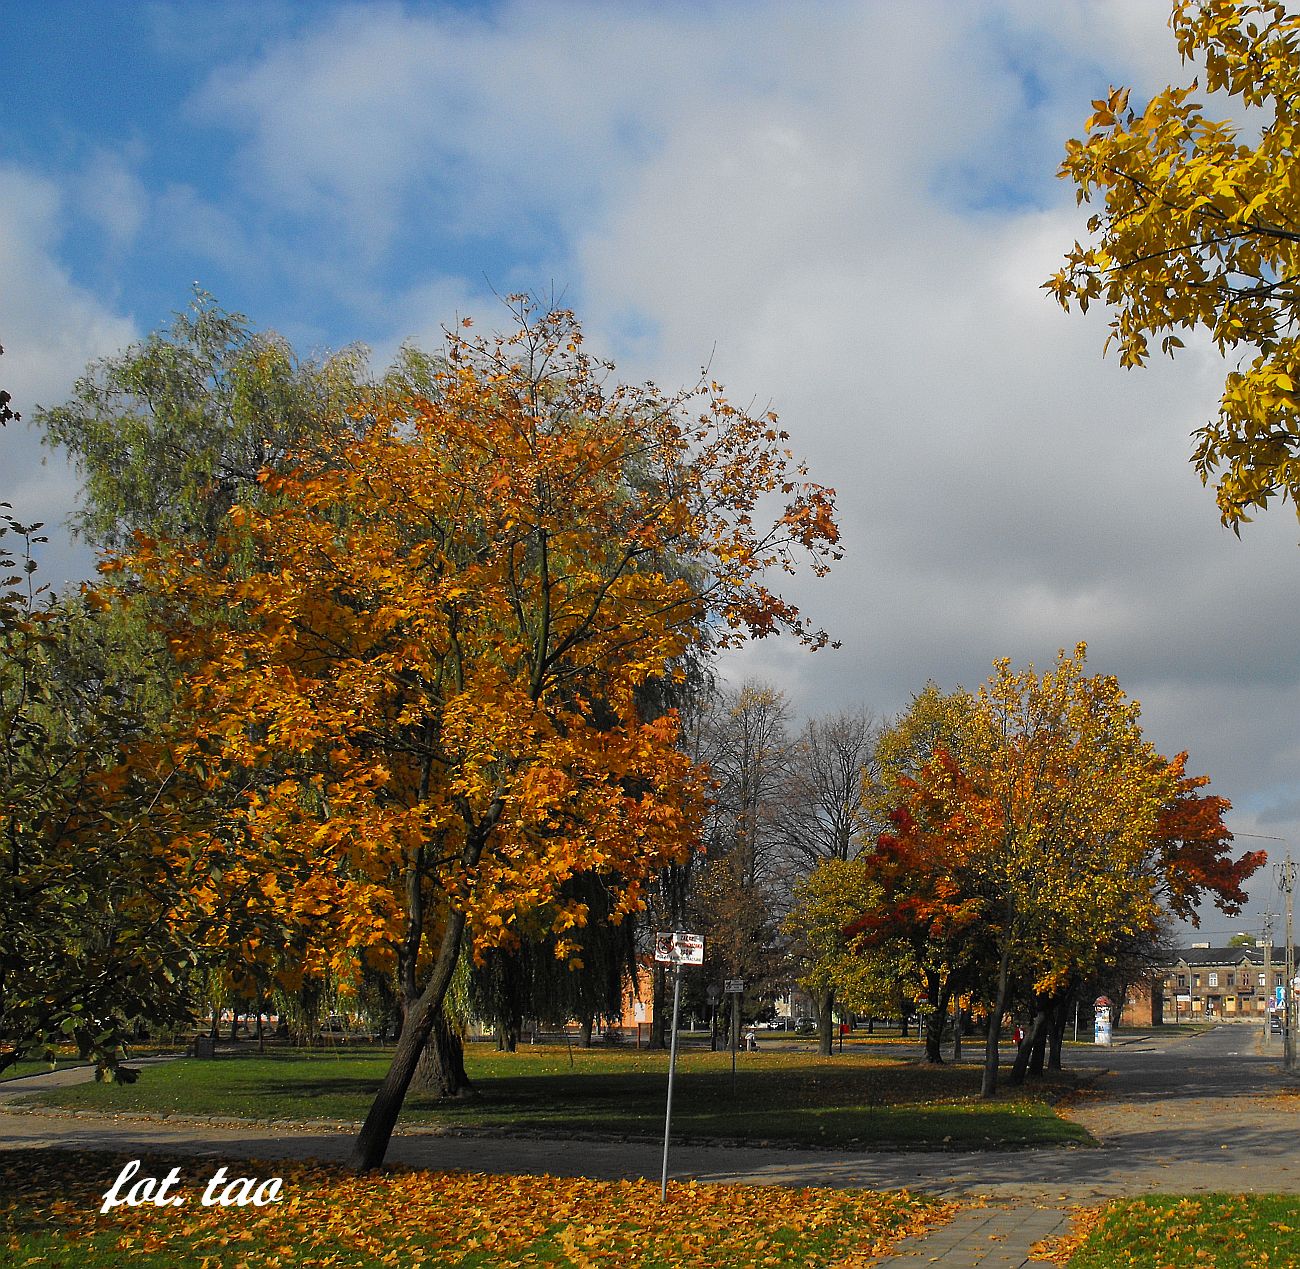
1208 982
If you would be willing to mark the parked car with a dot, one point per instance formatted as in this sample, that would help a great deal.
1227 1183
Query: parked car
805 1026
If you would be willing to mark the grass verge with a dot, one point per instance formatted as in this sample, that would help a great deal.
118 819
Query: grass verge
854 1099
49 1216
1226 1231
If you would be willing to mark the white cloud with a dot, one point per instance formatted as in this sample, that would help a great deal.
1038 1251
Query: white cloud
52 328
850 209
110 193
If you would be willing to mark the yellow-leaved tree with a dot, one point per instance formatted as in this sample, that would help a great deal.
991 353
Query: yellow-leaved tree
1019 842
1199 229
427 685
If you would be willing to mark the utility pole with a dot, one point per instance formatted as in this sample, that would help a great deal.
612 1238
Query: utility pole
1285 874
1268 978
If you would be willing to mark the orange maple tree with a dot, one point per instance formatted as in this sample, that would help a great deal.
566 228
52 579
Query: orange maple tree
420 662
933 898
1190 850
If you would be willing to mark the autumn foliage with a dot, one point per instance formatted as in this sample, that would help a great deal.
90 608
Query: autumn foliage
408 1217
1035 834
417 664
1195 231
1191 849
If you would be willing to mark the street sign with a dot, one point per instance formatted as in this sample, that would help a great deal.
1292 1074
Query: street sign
736 984
675 948
678 948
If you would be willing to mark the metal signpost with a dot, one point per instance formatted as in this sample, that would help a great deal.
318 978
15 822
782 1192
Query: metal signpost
675 949
735 989
1284 874
713 991
1268 978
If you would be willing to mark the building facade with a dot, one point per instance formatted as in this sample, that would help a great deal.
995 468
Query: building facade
1218 982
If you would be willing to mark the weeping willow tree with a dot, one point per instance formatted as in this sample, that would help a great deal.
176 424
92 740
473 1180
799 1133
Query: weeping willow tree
529 980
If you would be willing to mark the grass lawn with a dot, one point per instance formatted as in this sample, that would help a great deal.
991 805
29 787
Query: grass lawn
850 1099
1226 1231
49 1216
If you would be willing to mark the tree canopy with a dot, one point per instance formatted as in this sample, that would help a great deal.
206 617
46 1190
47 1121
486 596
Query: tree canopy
1199 229
1034 834
440 647
95 930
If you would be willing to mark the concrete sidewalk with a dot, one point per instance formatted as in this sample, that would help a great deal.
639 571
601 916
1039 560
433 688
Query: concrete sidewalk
12 1090
999 1236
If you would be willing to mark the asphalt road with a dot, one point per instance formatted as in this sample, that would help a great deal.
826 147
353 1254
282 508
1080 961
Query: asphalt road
1191 1114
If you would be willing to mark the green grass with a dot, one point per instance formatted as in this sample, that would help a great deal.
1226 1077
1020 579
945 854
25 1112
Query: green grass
50 1200
1226 1231
798 1098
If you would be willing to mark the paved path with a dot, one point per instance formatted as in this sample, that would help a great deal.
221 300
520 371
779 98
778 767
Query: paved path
1190 1114
996 1236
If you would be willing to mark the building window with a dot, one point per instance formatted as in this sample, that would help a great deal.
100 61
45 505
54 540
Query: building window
1214 979
1182 980
1196 980
1263 980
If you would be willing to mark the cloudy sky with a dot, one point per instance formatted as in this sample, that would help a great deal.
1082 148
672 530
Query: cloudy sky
847 209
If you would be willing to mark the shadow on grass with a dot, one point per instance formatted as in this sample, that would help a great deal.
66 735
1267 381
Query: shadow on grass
794 1099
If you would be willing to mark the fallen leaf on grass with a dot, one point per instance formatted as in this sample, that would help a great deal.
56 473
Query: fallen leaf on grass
404 1216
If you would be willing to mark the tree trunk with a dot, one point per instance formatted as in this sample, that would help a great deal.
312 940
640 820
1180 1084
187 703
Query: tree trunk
584 1030
372 1141
1026 1048
441 1068
659 1005
958 1028
1057 1037
826 1022
1040 1038
408 952
935 1022
989 1083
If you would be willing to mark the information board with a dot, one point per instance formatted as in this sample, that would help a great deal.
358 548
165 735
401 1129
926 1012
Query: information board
678 948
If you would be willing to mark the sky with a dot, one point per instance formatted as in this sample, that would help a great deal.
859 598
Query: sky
846 210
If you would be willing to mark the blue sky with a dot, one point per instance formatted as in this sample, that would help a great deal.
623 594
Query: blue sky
847 209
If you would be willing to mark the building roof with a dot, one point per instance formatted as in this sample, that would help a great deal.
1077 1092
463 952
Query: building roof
1229 955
